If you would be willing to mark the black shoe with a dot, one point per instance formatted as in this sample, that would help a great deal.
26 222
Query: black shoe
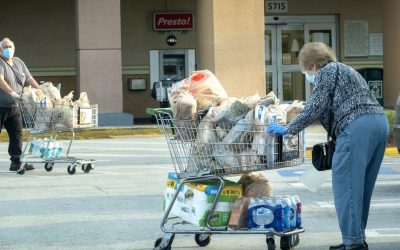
15 167
337 247
349 247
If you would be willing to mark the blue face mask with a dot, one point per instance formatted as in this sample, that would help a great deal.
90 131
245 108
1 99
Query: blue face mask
8 52
310 78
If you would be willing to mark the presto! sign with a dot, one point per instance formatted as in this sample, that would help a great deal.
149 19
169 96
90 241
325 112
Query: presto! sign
173 21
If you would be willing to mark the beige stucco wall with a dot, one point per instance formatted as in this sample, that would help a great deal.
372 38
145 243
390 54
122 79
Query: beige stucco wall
391 47
99 52
232 44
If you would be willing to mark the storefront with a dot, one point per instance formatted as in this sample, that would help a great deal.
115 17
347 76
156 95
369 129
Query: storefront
113 50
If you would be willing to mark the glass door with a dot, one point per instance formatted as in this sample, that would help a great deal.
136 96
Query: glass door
290 79
283 41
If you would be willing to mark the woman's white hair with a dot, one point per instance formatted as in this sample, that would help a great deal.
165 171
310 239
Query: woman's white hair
6 39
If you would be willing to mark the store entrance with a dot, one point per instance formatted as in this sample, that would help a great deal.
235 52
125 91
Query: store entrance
284 37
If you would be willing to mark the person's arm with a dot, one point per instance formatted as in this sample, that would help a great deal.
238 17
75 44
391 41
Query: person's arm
315 106
31 81
4 85
6 88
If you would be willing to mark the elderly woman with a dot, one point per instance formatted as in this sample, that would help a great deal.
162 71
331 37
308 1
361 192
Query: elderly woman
360 127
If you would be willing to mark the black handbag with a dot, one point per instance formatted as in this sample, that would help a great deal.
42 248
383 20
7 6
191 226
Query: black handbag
322 153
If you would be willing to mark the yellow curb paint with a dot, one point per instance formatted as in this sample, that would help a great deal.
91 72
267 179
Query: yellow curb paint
390 152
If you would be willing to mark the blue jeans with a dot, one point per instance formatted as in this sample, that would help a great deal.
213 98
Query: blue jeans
359 152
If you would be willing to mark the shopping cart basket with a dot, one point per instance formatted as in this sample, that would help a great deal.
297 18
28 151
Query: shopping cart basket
202 150
44 119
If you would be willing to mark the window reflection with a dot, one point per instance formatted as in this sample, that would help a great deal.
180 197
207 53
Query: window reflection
292 41
323 36
293 86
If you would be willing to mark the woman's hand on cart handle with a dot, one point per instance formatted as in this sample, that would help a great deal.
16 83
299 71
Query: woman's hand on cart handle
15 96
277 129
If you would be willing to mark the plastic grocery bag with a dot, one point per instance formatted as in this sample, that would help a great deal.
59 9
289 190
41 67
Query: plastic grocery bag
225 157
269 99
184 110
251 101
83 101
206 88
49 90
255 184
238 132
231 112
278 113
293 110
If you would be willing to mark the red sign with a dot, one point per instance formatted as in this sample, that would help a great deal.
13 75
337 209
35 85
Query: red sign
173 21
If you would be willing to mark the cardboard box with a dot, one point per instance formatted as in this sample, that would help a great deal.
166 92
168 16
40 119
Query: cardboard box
238 217
194 201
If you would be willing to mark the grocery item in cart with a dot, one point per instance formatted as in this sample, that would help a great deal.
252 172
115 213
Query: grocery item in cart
83 101
238 218
206 88
263 213
255 185
269 99
231 112
184 108
278 213
293 110
194 201
251 101
50 91
289 213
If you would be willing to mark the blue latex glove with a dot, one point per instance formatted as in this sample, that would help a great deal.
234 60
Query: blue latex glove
277 129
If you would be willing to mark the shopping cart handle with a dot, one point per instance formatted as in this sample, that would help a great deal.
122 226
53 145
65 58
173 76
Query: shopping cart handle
154 111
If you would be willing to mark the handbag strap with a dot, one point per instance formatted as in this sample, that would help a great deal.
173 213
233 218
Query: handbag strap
13 70
331 95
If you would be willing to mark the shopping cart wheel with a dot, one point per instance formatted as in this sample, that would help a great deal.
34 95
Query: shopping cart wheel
286 243
295 239
270 243
87 167
71 169
202 239
21 169
48 166
165 242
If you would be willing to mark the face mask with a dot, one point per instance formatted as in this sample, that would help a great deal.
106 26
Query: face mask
8 52
310 78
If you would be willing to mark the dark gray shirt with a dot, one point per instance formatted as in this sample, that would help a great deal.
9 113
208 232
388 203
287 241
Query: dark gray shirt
21 71
352 99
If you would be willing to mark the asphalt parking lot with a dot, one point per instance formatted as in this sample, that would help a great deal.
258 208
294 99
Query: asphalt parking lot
118 205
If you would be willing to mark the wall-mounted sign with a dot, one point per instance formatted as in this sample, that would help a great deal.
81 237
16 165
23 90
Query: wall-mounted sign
276 6
356 38
376 44
173 21
376 88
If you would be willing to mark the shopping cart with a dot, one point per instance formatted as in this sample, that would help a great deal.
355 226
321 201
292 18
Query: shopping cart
197 159
45 120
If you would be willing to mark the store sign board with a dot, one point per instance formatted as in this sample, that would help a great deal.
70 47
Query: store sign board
278 6
173 21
